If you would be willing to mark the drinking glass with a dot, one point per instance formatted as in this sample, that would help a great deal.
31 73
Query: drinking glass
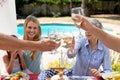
74 12
53 35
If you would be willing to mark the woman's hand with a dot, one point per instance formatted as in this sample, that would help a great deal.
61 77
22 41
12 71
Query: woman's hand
21 56
13 55
95 72
85 24
71 43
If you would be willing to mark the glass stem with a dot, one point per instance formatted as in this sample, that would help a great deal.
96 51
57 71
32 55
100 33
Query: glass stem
80 34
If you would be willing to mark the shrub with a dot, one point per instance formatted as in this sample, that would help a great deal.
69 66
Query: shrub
116 67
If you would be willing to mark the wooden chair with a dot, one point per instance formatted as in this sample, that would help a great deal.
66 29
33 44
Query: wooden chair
114 56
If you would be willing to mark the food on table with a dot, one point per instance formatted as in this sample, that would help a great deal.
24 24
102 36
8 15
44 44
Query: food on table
20 74
59 69
114 77
60 74
17 76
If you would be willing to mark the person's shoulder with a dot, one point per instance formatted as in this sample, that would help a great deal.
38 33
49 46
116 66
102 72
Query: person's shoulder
78 38
104 46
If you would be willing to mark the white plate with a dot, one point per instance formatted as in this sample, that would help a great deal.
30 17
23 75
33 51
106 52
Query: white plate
105 75
82 78
57 77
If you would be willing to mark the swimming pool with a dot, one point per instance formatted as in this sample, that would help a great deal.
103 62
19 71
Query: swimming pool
52 28
57 27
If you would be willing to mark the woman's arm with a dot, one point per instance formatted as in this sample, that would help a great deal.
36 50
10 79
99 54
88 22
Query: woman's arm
110 41
10 43
22 60
8 64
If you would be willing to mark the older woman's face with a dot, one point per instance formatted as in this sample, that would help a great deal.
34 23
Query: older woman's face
89 36
32 29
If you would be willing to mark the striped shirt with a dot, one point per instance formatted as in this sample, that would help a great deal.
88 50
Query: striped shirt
86 58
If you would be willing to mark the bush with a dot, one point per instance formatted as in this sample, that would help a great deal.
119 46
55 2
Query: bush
116 67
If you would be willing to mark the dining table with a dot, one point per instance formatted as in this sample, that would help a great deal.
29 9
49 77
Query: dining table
78 78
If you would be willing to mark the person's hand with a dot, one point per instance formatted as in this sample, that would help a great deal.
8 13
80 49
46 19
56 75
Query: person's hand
48 45
85 24
13 55
20 55
95 72
71 43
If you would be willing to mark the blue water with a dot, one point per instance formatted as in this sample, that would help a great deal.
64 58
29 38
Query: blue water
53 28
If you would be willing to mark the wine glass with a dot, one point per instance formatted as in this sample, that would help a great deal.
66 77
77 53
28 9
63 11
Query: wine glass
53 35
74 12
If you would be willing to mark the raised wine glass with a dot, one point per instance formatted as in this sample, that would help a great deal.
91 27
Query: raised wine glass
77 11
74 12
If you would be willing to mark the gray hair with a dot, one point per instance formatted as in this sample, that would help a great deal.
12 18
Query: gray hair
96 23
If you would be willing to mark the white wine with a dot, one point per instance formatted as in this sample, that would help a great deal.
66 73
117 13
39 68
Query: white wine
74 12
67 39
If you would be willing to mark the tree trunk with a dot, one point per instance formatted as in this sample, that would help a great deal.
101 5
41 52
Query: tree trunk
70 4
84 8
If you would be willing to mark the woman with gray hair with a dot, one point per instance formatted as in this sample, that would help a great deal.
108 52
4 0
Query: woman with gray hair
90 54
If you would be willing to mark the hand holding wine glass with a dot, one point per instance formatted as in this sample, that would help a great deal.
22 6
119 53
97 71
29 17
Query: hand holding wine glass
71 44
70 41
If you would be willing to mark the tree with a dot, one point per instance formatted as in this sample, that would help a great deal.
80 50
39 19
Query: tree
70 4
84 8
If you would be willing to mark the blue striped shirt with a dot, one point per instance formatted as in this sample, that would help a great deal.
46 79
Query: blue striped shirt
86 58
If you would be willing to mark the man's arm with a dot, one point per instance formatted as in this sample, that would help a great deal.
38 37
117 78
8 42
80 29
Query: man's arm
110 41
10 43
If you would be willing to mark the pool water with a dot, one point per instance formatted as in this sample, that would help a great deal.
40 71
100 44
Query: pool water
55 28
52 28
